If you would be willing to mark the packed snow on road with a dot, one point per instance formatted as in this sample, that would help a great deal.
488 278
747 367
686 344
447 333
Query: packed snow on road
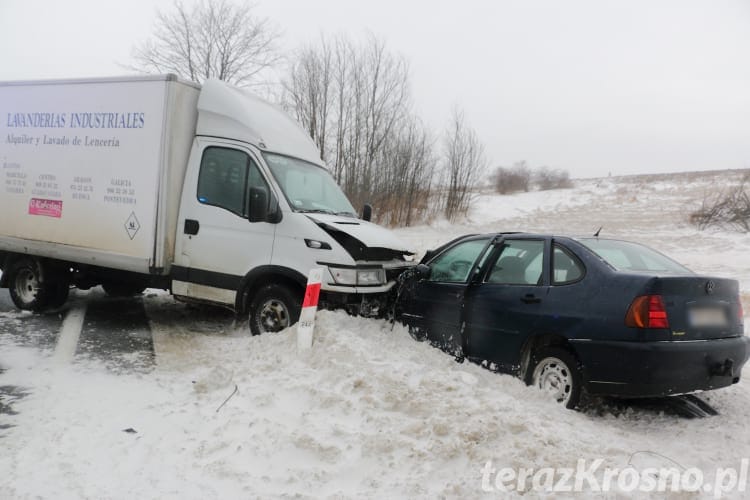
184 403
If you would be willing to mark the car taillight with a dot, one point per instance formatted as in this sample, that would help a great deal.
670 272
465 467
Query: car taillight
647 311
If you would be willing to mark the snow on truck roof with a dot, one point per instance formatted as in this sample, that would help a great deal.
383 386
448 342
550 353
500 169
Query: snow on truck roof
230 112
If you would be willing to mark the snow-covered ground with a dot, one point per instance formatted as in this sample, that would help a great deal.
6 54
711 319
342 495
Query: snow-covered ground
368 412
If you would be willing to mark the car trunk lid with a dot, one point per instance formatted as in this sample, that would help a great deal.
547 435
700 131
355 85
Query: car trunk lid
700 308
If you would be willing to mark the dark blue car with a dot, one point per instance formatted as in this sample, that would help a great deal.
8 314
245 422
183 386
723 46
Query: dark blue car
578 315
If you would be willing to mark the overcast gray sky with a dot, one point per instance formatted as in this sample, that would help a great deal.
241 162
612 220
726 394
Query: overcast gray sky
591 86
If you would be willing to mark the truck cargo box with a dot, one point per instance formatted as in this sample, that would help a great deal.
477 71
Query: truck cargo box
92 170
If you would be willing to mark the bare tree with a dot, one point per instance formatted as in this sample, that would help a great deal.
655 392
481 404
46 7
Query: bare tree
406 164
728 209
211 39
513 179
547 178
464 161
309 87
353 99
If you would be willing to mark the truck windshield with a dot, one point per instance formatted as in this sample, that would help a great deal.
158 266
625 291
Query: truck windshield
308 187
629 256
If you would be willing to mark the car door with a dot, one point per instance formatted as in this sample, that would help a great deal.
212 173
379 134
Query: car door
218 245
570 306
503 306
436 306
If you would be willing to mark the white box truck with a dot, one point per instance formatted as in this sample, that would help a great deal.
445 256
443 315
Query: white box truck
206 191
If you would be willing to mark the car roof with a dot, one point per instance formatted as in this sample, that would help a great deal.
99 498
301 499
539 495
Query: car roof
536 235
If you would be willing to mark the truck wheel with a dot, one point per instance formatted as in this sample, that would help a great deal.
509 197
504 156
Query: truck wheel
555 371
59 295
27 288
274 308
122 289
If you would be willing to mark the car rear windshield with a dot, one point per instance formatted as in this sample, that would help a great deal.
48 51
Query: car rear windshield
629 256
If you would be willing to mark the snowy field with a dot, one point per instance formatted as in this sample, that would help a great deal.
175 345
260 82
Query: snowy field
368 412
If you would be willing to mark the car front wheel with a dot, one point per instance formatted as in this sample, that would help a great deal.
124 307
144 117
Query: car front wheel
555 371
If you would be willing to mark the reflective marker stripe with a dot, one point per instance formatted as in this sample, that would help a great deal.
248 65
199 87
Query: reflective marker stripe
311 295
309 307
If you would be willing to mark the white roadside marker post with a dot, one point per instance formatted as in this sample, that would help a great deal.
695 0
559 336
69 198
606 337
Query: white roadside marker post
309 307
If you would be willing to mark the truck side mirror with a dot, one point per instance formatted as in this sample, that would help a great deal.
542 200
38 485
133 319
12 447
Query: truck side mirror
367 212
258 209
274 212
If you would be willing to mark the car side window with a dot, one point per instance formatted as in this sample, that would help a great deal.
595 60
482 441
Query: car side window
520 262
565 267
225 177
454 265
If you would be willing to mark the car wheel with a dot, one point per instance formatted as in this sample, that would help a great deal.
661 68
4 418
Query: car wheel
555 371
417 333
28 291
274 308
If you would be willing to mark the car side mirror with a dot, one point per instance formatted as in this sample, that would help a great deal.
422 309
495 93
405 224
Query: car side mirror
258 209
422 271
367 212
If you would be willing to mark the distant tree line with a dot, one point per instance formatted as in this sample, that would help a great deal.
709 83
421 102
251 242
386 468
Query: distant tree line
520 177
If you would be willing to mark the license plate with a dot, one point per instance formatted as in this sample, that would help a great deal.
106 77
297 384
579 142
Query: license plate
707 316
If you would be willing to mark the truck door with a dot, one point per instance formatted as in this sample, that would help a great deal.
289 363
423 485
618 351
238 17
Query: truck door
216 243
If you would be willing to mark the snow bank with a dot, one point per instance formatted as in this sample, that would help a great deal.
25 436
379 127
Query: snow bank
368 412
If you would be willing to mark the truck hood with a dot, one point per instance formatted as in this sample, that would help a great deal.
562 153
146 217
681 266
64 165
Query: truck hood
369 234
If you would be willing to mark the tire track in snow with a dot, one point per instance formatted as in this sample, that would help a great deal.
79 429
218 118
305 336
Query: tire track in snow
70 333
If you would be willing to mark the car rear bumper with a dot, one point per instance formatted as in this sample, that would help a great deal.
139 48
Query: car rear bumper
649 369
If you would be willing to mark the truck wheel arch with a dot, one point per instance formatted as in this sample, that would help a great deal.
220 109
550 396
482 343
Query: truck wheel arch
263 275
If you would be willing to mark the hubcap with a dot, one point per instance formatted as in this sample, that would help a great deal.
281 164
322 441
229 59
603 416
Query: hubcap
553 377
274 316
27 286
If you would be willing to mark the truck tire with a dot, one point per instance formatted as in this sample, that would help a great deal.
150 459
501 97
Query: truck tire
274 308
59 295
28 290
113 289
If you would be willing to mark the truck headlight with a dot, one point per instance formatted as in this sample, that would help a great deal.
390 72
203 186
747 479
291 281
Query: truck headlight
344 276
352 277
371 277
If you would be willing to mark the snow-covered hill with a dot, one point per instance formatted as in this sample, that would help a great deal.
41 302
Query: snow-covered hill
368 412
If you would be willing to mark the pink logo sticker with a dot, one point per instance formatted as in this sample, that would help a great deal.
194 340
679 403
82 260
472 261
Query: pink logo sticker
48 208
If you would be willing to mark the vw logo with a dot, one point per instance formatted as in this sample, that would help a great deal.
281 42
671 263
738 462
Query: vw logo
710 286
